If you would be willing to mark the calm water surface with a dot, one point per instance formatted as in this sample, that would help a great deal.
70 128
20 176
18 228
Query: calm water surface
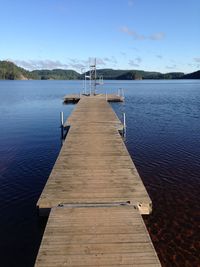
163 134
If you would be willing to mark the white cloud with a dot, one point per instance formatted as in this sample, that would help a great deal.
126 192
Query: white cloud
133 63
112 60
172 67
132 33
123 54
137 36
100 61
76 66
127 30
197 59
157 36
73 60
71 63
138 59
40 64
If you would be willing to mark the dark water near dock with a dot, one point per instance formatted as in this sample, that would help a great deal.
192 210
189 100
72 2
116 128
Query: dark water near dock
163 135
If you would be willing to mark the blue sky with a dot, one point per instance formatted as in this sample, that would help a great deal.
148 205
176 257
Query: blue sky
154 35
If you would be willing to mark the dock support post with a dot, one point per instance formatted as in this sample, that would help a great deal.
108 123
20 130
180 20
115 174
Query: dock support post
106 97
62 124
123 92
124 125
61 119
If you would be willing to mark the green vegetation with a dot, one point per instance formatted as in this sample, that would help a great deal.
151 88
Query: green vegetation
194 75
109 74
56 74
9 71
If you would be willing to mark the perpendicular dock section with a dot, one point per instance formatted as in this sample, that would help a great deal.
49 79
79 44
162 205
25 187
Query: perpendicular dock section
74 98
94 165
96 236
71 98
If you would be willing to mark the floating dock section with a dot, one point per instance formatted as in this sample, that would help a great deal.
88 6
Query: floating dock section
108 97
95 196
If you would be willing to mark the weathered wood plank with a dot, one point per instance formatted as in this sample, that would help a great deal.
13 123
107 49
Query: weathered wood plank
96 236
94 192
94 165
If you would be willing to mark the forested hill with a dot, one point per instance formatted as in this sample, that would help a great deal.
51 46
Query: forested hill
10 71
56 74
110 74
194 75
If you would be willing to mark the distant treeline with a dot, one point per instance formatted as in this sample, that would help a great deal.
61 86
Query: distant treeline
10 71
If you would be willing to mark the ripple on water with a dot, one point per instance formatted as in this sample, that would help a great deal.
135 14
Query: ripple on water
162 138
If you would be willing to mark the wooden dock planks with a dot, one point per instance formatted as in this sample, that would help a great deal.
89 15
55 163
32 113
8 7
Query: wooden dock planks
96 236
95 196
94 165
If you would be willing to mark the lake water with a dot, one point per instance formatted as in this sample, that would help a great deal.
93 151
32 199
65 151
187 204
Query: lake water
163 135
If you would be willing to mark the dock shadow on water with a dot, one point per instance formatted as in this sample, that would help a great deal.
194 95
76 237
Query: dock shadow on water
162 138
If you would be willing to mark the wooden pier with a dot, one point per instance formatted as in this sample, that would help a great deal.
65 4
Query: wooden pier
95 196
